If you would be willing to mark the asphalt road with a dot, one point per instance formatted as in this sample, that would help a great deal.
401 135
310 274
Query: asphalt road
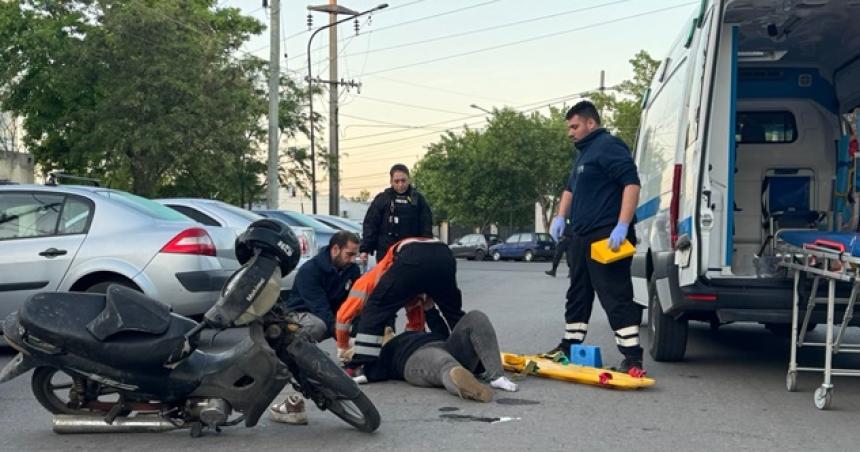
728 395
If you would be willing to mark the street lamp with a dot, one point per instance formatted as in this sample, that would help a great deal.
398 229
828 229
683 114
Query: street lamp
478 107
352 15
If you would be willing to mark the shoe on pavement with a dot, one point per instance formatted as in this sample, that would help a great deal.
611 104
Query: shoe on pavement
290 411
468 386
550 273
631 366
560 348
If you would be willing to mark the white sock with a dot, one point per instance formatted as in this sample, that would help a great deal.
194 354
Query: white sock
504 384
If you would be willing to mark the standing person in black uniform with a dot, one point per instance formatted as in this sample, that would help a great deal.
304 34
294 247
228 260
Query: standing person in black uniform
397 213
600 201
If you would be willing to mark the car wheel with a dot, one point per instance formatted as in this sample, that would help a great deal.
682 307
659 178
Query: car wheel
102 287
497 256
479 255
668 335
528 256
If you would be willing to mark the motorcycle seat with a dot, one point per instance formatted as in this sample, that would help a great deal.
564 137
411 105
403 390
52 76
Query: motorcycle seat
124 328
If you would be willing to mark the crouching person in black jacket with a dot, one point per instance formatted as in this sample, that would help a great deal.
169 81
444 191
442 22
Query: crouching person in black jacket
440 360
321 286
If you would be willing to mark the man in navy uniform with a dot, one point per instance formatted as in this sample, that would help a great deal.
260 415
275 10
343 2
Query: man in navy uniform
600 200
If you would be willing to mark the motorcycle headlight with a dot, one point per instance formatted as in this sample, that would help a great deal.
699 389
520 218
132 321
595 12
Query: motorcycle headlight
266 298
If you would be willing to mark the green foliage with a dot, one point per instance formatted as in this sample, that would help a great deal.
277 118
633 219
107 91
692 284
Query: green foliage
479 178
496 175
150 96
363 196
621 110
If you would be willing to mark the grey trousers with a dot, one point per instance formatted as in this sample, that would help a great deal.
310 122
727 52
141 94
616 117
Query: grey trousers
472 344
312 325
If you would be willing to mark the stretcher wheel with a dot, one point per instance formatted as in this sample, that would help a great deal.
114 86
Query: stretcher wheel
791 381
823 397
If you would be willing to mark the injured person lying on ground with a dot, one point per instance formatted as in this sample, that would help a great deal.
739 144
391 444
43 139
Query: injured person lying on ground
440 360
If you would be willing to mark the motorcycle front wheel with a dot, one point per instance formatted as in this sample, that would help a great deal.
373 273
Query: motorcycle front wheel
330 387
358 412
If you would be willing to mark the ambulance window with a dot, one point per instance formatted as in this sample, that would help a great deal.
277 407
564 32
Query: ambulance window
765 127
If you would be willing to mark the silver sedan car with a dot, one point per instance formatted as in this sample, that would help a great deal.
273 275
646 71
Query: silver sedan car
225 222
75 238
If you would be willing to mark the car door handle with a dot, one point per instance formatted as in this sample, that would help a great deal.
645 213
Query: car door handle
53 252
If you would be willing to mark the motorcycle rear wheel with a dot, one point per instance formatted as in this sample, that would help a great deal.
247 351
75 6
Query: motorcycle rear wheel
54 389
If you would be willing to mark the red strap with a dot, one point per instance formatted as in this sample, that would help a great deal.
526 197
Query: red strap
604 378
636 372
830 244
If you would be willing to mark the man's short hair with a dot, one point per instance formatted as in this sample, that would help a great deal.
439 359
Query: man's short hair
399 168
341 238
584 109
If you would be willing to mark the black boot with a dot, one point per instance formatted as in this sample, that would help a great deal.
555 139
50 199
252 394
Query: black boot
563 347
550 273
632 366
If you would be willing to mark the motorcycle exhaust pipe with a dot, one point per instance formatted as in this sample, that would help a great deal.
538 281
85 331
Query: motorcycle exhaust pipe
71 424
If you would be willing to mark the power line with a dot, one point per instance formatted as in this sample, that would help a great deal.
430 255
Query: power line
447 130
297 34
433 16
491 28
407 105
541 103
442 90
523 41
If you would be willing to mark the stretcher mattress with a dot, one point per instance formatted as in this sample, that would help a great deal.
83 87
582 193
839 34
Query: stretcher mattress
850 240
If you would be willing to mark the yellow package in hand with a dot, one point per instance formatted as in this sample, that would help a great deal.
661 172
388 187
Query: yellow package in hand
601 252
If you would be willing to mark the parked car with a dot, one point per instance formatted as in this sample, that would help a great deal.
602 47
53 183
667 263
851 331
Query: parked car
527 246
225 222
323 232
474 246
75 238
339 223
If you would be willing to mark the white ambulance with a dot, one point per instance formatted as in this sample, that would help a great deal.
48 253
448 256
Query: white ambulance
747 129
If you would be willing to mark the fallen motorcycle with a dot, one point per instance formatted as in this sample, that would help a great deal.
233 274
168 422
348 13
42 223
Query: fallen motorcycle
123 362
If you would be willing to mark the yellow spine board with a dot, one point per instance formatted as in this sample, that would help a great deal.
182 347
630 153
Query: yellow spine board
574 373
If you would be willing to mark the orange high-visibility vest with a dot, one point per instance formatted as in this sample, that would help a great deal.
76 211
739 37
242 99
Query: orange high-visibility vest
361 290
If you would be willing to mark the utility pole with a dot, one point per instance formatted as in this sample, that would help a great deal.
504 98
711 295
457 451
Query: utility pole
333 9
334 155
274 91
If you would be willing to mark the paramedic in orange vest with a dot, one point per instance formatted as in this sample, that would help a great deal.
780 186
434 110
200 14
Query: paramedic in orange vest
362 288
417 266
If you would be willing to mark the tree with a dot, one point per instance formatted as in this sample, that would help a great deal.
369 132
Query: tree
363 196
150 96
621 111
479 178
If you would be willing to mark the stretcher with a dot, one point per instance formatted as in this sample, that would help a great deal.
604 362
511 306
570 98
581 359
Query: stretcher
546 367
833 257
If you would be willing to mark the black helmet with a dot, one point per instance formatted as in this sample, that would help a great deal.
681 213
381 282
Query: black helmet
273 237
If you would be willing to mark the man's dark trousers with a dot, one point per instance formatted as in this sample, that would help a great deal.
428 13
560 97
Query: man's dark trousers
614 288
